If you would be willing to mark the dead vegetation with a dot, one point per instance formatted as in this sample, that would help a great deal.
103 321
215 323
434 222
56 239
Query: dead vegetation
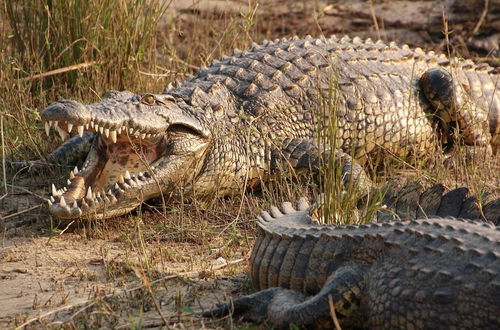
159 266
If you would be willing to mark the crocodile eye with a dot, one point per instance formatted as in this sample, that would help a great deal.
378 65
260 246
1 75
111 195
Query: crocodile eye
148 99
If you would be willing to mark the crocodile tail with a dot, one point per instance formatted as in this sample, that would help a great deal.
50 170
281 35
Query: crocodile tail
413 201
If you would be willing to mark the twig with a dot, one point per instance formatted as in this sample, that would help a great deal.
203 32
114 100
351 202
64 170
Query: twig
27 192
4 172
168 74
481 20
21 212
60 70
374 18
89 303
332 313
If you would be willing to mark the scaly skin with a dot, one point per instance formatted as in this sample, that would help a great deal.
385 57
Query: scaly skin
243 117
436 273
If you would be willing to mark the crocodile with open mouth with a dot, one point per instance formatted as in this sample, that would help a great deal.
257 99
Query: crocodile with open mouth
241 118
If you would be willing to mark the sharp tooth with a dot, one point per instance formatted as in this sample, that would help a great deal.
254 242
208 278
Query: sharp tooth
106 132
119 130
121 179
56 123
47 128
137 133
148 136
54 190
130 131
62 201
70 127
92 124
62 133
69 182
51 123
75 170
143 136
80 130
49 202
101 129
98 195
110 192
87 126
75 205
71 175
117 187
113 136
127 175
51 198
89 193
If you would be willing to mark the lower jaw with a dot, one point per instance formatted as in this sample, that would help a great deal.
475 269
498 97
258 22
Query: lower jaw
94 213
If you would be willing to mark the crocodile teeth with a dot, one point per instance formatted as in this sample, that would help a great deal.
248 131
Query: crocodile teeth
92 124
113 136
80 130
49 202
69 182
89 193
62 201
75 169
54 190
62 133
71 175
47 128
75 205
51 198
70 127
121 179
143 136
106 132
101 129
127 175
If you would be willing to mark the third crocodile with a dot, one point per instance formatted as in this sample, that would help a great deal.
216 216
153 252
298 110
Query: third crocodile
436 273
241 118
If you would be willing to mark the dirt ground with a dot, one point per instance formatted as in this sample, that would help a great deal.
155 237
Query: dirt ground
69 275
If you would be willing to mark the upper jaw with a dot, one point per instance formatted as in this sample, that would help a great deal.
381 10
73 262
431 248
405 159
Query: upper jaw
139 115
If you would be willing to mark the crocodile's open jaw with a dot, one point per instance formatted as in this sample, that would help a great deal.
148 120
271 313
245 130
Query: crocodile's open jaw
124 167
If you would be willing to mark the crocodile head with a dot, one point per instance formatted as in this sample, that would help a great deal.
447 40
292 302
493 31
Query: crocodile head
144 144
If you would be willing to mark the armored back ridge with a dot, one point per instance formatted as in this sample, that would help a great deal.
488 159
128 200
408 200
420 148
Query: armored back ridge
242 117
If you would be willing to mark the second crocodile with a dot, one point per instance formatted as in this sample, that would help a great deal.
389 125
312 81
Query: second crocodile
240 119
436 273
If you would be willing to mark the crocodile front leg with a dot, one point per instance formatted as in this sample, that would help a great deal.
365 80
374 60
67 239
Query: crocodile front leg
454 107
282 307
304 155
70 153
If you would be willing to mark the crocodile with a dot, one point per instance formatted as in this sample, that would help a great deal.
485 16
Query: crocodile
434 273
244 117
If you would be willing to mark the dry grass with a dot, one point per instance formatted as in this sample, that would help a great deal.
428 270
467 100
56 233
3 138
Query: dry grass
79 49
